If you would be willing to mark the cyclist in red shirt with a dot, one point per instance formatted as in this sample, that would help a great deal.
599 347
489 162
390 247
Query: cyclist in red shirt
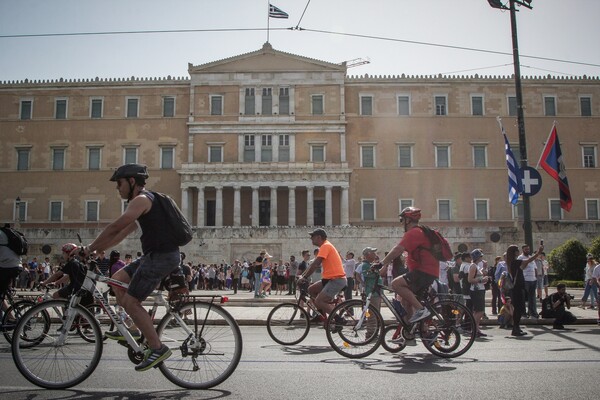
423 267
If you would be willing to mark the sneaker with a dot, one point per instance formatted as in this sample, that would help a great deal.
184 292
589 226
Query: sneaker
153 357
419 315
116 335
317 319
338 324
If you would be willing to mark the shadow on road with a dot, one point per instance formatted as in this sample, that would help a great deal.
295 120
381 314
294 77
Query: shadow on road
301 349
406 364
116 395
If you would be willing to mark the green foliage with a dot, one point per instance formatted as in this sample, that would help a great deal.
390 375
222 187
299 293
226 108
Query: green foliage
568 260
595 248
570 284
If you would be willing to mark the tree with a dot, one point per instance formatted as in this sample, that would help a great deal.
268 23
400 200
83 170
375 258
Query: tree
568 260
595 248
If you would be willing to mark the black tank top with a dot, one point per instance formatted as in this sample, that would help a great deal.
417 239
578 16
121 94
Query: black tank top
152 224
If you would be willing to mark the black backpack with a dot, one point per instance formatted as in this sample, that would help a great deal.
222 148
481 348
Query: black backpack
438 245
177 225
547 310
16 241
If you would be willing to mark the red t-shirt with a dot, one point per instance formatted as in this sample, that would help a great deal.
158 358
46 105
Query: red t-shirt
415 242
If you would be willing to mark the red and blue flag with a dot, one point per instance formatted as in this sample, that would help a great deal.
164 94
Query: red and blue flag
552 162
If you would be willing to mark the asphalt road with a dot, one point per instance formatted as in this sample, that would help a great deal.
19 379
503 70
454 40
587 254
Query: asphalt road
546 364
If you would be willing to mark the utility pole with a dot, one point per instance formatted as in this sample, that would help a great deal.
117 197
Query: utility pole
520 117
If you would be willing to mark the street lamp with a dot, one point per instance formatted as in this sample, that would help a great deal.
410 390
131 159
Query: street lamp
520 117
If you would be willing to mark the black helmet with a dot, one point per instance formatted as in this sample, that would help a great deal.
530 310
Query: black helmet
130 171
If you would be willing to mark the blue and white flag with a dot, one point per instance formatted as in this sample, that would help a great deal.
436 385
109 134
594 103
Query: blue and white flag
514 172
275 12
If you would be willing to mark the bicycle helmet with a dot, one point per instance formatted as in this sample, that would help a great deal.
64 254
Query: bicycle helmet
68 247
410 213
130 171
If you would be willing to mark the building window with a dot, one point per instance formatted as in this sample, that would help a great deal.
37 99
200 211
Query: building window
442 156
58 158
317 104
132 107
367 209
444 209
512 106
549 106
267 101
516 150
60 109
284 148
367 156
215 153
130 155
93 158
168 106
167 157
92 208
20 210
317 153
405 156
249 102
216 105
26 108
591 209
589 156
56 211
284 101
249 155
479 156
441 105
96 108
23 159
481 209
266 148
403 203
366 105
555 209
403 104
585 103
518 210
476 105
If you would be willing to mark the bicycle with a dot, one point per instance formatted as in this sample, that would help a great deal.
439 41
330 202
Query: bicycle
206 349
15 311
289 323
447 332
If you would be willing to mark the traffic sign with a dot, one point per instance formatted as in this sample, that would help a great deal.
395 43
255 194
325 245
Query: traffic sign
531 181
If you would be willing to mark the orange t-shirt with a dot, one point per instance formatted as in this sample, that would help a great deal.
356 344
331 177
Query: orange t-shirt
333 267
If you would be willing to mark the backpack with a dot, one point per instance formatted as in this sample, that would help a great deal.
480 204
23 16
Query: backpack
438 245
177 225
464 280
16 241
547 311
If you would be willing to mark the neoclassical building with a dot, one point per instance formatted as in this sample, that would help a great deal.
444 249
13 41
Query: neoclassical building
259 146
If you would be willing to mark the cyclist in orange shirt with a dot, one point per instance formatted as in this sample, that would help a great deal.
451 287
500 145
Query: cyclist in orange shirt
333 275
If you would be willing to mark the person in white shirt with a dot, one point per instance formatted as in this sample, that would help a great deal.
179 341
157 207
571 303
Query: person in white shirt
350 269
596 283
444 272
529 274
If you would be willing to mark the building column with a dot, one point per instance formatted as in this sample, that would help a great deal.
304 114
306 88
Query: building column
254 205
344 215
237 216
273 206
185 208
328 211
201 205
219 206
291 206
310 206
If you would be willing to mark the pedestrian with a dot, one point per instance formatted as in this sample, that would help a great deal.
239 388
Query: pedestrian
292 271
590 290
477 278
530 278
350 270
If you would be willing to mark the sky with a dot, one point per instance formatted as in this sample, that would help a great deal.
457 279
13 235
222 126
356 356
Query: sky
417 37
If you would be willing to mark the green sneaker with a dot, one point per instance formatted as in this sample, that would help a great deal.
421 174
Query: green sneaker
153 357
116 335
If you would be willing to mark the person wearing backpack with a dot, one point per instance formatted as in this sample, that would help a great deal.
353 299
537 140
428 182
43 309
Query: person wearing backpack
160 254
10 266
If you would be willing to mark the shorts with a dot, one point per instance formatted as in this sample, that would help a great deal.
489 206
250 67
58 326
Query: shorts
6 277
542 281
418 280
478 300
147 271
331 287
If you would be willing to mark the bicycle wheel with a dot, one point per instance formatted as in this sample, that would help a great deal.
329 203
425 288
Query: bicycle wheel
288 324
103 319
349 338
449 331
12 316
52 363
393 332
204 355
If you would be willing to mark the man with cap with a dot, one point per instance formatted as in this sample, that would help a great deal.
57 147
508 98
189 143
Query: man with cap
333 276
477 278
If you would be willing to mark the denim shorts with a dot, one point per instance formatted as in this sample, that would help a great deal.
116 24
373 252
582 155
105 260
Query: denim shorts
147 271
331 287
542 281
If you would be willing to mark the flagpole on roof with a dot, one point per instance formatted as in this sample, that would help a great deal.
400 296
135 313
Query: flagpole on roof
268 18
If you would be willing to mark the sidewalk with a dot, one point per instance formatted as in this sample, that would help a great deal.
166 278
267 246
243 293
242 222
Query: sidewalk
250 311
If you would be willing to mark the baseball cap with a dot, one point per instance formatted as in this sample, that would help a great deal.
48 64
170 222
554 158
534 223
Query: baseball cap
475 254
320 232
368 250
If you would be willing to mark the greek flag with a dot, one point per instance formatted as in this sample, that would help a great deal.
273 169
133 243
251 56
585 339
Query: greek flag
514 172
275 12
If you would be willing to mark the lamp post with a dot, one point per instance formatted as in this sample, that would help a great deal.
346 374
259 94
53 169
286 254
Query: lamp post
520 117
